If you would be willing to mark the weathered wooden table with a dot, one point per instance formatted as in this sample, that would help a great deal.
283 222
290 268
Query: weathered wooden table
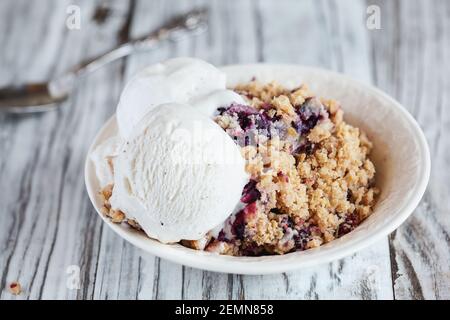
48 227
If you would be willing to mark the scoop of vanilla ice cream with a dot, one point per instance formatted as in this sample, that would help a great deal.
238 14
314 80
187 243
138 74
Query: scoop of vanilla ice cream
178 80
178 174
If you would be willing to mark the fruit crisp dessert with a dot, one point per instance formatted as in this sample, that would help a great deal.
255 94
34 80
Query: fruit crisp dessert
311 178
306 174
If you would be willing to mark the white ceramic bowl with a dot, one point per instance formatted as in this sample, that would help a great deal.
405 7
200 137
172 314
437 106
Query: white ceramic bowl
400 154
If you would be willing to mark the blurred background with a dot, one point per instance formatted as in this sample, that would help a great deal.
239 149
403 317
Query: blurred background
50 237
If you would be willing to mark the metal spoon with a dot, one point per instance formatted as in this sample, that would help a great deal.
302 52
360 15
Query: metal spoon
45 96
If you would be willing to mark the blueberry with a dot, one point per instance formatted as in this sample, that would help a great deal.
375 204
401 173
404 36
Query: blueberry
302 238
307 148
350 223
276 211
310 112
221 236
250 118
287 223
262 121
244 121
309 123
221 110
250 192
311 107
238 226
349 195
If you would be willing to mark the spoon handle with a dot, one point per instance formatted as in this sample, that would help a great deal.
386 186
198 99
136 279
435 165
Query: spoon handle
178 28
44 96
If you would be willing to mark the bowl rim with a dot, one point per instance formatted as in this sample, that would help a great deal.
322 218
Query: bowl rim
273 264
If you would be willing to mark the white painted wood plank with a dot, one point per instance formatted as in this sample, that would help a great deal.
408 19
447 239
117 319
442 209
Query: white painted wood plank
47 222
411 60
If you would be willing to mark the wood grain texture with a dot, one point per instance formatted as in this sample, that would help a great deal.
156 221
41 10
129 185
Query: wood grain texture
412 65
47 222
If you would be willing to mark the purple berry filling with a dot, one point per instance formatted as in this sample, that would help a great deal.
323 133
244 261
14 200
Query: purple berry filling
306 147
350 223
222 237
310 112
253 250
249 124
276 211
252 122
238 226
302 238
240 220
250 193
287 223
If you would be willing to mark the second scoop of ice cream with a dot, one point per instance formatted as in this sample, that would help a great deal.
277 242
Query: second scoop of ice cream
179 80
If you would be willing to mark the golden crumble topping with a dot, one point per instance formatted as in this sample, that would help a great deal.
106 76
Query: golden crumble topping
115 216
311 178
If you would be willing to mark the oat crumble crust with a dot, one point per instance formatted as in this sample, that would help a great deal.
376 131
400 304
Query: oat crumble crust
116 216
311 177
